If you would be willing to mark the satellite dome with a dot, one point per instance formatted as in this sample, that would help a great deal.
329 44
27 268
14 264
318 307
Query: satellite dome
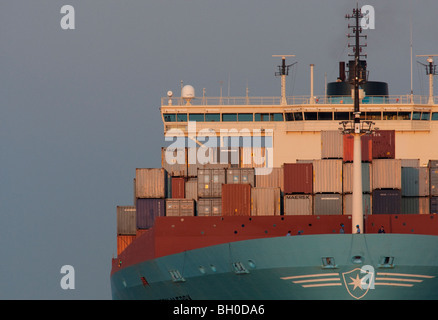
188 92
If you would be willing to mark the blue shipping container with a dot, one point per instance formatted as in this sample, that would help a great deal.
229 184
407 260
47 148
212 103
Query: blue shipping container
387 201
148 210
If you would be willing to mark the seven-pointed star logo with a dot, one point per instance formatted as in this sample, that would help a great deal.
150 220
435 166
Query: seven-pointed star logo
353 283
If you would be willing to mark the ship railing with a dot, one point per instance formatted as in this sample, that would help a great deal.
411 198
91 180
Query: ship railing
296 100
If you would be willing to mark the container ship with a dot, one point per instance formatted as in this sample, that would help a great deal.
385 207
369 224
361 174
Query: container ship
303 197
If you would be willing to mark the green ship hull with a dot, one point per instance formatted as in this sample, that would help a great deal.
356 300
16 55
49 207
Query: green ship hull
316 267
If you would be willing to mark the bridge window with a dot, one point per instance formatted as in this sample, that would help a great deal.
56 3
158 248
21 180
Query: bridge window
416 115
181 117
212 117
389 115
262 117
276 117
425 116
403 115
229 117
169 117
342 115
373 116
325 116
245 117
311 115
435 116
199 117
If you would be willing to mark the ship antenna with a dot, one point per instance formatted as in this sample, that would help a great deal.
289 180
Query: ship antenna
430 71
356 127
283 71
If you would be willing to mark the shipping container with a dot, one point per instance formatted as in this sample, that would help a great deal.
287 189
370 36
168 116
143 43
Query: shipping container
210 182
327 176
150 183
191 189
253 157
327 204
298 178
366 148
229 155
236 200
126 221
415 181
331 144
240 176
209 207
433 180
348 204
275 179
265 201
203 158
298 204
148 210
433 205
415 163
386 174
123 241
180 207
433 164
415 205
384 144
178 187
386 202
174 160
347 174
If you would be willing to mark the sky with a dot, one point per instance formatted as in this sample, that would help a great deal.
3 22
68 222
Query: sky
79 109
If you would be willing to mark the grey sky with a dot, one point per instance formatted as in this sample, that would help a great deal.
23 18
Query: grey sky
79 109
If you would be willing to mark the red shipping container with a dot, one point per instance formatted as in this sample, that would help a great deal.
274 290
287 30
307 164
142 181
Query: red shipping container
366 148
178 188
236 199
384 144
298 178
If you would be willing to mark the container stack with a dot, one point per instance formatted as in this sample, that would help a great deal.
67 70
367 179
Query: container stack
194 182
433 181
151 189
126 227
298 188
327 187
415 187
386 186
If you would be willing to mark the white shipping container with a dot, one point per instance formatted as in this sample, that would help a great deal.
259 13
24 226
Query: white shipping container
332 145
273 180
209 207
150 183
180 207
240 176
386 174
298 204
265 201
191 189
327 176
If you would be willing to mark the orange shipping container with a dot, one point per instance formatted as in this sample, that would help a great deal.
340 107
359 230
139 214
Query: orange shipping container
366 150
178 188
123 241
236 199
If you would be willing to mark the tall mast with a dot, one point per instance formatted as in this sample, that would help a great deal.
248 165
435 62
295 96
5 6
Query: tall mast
356 127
